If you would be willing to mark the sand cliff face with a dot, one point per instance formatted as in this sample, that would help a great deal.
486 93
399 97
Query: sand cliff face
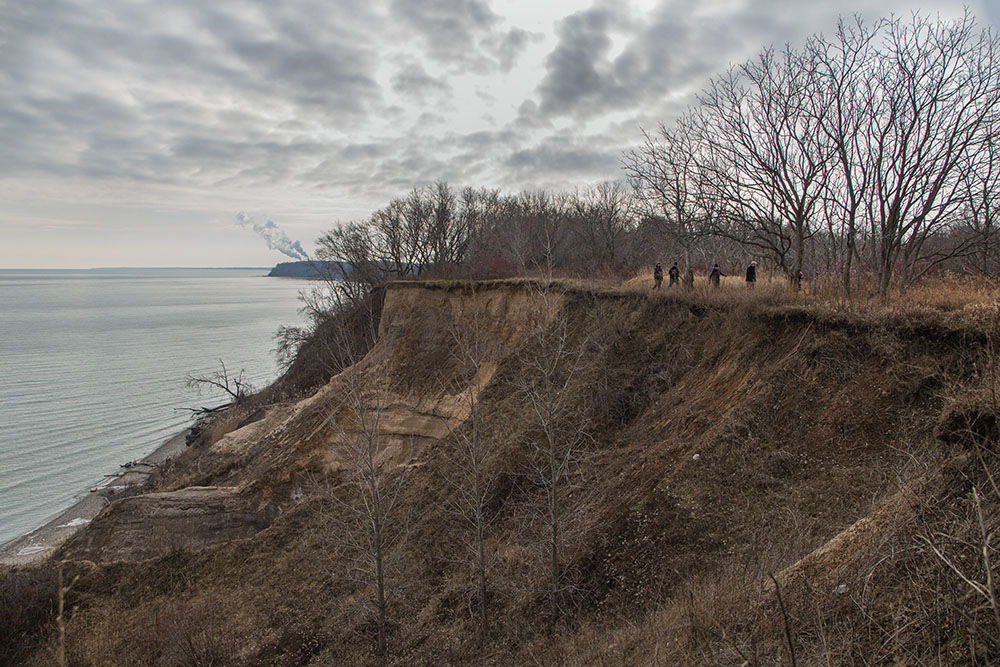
416 381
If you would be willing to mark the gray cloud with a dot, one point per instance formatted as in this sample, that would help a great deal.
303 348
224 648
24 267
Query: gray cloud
507 46
578 72
674 50
414 80
208 105
564 156
463 34
444 20
671 51
108 92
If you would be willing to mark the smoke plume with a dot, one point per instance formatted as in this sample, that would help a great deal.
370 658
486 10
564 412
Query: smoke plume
275 238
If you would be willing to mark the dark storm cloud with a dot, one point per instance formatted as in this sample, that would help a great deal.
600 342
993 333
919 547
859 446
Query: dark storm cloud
464 34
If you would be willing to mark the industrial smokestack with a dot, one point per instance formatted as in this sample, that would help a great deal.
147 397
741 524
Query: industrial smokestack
275 238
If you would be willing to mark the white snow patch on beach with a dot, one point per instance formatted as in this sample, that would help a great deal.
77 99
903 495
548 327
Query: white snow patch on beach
74 523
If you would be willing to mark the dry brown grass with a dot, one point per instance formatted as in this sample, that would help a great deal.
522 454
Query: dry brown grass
27 610
945 293
805 415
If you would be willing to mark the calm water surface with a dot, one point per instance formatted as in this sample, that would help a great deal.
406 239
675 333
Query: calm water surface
93 367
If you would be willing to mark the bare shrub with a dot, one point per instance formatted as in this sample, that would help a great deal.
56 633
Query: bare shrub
236 388
28 602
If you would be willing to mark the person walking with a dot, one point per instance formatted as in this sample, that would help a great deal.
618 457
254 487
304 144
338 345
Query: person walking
715 275
752 274
657 276
674 274
688 279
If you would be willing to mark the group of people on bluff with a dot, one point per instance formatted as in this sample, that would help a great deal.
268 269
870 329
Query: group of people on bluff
688 280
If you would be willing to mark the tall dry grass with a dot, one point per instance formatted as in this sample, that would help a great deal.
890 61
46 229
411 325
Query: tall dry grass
946 294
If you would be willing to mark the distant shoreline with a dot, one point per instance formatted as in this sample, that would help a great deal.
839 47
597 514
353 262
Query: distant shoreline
143 268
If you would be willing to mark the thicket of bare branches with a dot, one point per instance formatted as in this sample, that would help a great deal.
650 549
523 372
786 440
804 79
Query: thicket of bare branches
483 233
871 150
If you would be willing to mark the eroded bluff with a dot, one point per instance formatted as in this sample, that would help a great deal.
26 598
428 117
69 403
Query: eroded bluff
414 380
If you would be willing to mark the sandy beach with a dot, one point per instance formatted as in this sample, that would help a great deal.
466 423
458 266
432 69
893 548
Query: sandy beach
42 541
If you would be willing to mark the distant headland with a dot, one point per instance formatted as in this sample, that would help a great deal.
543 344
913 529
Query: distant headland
308 269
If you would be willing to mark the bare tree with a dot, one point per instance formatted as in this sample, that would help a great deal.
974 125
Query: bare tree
473 351
765 158
980 183
842 65
605 222
665 172
533 231
371 522
935 95
485 212
349 260
449 230
554 367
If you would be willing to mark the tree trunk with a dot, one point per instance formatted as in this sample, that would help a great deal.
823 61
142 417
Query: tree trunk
481 556
848 260
554 535
379 602
800 247
380 641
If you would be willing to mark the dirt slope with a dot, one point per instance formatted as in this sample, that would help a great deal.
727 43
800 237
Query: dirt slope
724 441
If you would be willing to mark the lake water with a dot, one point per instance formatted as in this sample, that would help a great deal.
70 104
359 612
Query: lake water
93 367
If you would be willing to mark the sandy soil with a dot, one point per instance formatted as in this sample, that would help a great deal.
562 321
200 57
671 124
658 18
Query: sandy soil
42 541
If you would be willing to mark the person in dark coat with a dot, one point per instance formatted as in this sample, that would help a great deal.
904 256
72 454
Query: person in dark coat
674 274
714 276
751 274
657 276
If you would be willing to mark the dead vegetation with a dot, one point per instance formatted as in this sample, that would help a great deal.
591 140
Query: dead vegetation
849 452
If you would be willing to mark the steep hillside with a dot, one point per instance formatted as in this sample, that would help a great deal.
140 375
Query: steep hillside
643 465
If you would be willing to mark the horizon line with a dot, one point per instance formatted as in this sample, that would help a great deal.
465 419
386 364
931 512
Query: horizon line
132 268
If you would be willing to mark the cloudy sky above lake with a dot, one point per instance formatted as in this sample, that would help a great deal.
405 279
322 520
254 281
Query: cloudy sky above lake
134 132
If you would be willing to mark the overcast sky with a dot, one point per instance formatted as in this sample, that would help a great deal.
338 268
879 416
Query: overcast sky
134 132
